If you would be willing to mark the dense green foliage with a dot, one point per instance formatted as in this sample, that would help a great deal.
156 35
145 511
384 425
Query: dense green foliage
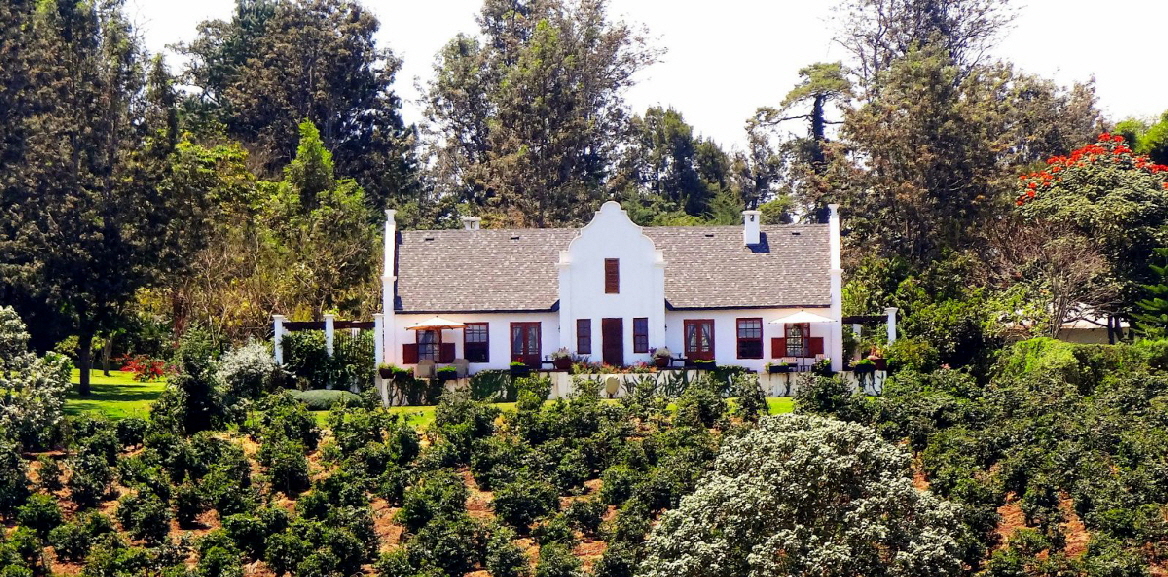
1062 433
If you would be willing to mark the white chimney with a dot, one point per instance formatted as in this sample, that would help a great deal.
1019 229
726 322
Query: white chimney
751 219
471 222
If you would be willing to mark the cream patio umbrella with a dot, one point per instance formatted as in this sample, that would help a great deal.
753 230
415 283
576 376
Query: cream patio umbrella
801 317
436 323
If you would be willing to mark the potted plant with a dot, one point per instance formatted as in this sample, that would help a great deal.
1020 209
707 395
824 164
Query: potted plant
779 367
864 367
661 357
562 359
877 358
386 370
447 373
519 369
822 368
705 365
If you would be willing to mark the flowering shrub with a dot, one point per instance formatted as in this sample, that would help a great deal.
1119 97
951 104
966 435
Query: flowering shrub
249 370
800 494
1109 151
1109 195
144 368
32 388
593 368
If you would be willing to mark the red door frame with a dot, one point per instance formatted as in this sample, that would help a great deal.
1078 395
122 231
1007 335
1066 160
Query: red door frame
531 358
698 355
612 341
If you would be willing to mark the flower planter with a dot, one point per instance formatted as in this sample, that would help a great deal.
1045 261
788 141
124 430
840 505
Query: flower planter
864 368
447 376
881 364
562 364
386 374
661 362
520 371
705 365
778 369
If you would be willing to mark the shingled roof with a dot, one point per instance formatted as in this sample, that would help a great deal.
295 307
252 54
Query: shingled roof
706 267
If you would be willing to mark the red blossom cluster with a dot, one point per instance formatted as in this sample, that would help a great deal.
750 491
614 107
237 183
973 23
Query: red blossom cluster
144 368
1108 149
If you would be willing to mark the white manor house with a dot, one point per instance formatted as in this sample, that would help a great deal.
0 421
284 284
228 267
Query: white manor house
612 292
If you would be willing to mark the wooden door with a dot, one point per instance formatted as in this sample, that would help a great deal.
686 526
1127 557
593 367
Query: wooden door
525 344
613 345
699 340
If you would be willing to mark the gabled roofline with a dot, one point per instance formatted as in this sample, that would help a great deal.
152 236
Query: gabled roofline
748 307
554 308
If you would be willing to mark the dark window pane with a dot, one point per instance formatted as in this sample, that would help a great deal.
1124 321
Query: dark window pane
584 336
477 343
640 335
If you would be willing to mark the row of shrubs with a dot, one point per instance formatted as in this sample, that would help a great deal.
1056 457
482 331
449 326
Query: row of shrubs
185 465
1057 428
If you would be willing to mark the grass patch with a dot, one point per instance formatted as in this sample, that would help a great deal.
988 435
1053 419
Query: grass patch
418 417
780 405
117 396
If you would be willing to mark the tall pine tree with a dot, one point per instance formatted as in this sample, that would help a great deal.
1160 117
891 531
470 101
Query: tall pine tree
89 221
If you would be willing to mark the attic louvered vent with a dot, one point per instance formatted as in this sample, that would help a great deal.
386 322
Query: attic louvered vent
427 238
516 237
795 233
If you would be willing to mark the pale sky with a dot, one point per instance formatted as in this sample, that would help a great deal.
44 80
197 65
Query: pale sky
730 57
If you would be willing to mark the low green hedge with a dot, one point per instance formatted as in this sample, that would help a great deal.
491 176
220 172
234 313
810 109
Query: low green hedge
322 399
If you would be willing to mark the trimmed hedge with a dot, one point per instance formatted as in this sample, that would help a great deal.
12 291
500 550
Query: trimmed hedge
323 400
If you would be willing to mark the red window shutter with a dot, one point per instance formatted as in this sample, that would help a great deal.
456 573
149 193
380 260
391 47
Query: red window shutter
446 353
612 275
778 347
410 354
815 346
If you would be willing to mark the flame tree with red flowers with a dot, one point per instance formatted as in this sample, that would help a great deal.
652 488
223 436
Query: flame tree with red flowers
1112 196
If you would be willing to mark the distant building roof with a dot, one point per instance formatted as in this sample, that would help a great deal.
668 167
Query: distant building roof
706 267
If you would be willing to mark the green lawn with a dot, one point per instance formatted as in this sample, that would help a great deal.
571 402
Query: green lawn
116 396
119 395
780 405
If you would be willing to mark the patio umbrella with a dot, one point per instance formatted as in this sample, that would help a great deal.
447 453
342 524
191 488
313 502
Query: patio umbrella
801 317
436 323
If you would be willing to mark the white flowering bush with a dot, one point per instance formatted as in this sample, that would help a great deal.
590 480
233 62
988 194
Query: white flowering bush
248 371
806 495
32 389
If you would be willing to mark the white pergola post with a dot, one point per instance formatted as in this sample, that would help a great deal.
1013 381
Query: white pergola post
891 312
835 349
378 357
278 337
388 342
378 326
328 340
328 333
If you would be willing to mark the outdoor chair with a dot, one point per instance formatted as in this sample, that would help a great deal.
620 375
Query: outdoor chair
424 370
463 367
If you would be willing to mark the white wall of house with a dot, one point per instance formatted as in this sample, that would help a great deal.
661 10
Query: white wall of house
611 235
499 329
726 332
